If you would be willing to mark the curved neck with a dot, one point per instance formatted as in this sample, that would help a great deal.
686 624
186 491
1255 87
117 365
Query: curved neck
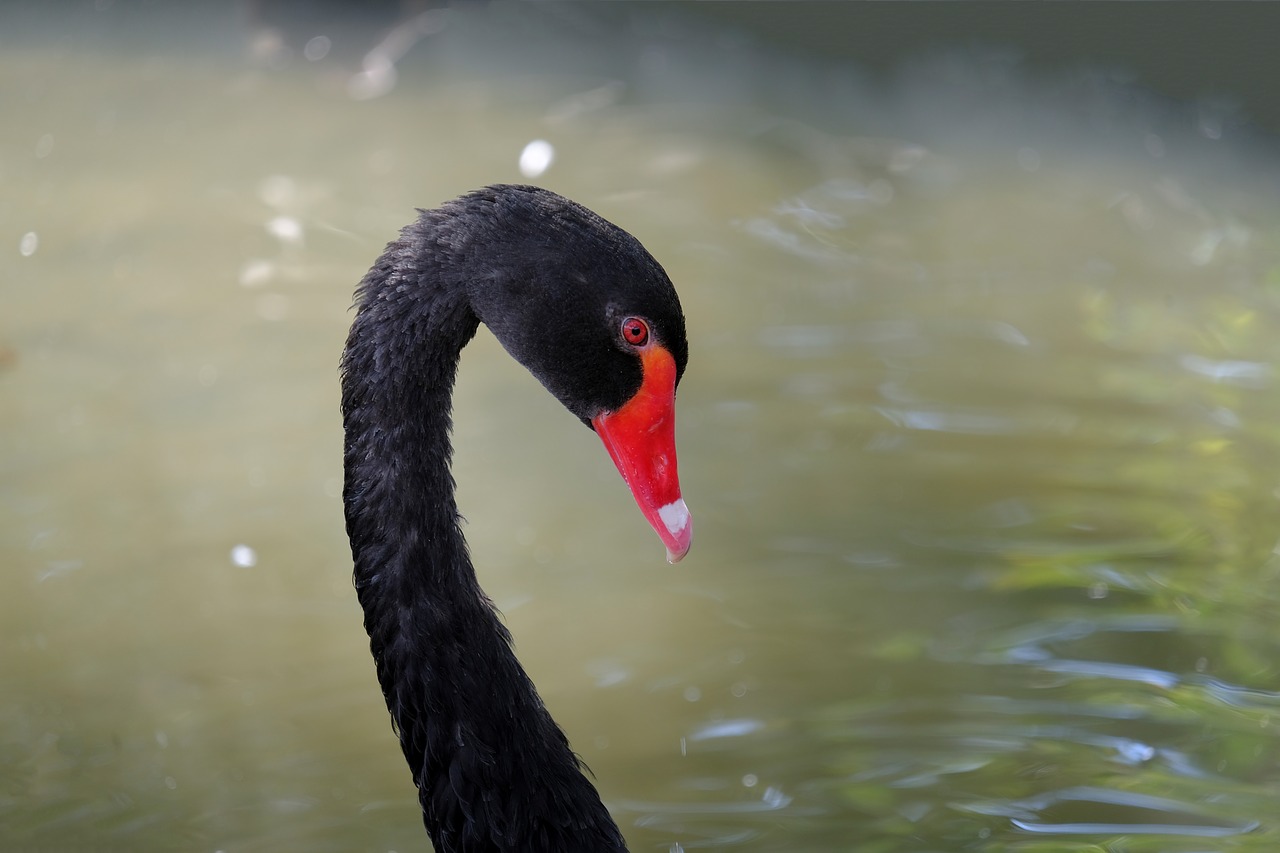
493 770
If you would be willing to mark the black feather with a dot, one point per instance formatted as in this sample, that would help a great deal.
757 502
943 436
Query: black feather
552 280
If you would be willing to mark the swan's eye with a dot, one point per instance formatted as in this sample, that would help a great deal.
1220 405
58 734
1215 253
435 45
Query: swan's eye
635 331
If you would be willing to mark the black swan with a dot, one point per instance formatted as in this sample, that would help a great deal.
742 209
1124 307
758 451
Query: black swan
582 305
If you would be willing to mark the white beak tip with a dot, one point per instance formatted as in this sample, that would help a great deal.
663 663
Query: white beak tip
675 518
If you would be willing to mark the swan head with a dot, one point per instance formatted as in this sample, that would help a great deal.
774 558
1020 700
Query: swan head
581 304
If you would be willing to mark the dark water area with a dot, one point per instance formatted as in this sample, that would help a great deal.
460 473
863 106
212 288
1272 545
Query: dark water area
979 429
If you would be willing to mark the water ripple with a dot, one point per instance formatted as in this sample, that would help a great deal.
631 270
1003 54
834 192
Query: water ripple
727 728
1116 671
1091 810
1248 374
972 423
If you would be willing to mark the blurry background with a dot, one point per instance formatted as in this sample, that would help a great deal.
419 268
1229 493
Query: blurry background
980 430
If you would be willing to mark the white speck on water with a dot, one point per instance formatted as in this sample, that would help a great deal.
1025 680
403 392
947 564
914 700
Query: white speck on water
286 229
1134 752
256 272
692 694
317 48
728 728
536 158
28 244
244 557
162 739
377 79
775 799
171 783
750 780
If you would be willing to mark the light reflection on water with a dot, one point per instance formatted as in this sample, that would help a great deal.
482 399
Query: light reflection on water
978 430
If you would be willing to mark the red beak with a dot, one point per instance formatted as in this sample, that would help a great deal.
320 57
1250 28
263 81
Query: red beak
641 440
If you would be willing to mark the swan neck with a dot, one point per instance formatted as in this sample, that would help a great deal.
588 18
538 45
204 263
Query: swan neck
493 770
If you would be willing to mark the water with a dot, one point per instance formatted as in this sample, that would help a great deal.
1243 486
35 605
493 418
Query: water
978 433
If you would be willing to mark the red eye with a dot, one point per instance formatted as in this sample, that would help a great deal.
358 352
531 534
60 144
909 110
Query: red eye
635 331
